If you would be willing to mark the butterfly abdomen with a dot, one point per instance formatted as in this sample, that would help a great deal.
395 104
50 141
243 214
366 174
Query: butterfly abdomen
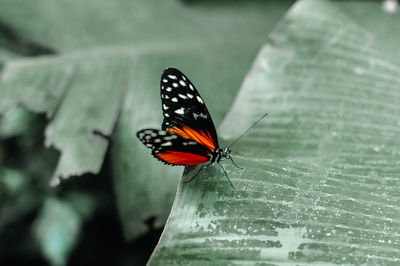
215 156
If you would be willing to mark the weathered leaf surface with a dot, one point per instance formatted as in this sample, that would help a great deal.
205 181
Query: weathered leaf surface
320 184
88 117
379 23
38 84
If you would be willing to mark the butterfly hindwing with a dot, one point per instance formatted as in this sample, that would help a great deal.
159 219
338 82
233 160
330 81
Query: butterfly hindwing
184 110
173 149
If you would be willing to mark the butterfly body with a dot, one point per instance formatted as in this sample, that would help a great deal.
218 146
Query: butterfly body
219 154
188 136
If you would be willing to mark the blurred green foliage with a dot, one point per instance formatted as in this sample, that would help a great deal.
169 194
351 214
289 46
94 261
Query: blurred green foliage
73 71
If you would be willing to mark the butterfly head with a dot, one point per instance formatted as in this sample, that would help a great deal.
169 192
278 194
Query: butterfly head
225 154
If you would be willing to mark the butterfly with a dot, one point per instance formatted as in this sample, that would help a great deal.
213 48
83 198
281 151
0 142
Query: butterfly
188 136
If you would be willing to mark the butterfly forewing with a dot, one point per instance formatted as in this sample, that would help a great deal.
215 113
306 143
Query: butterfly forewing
184 110
173 149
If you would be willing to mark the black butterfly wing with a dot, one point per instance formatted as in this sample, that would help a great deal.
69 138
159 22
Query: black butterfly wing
184 110
173 149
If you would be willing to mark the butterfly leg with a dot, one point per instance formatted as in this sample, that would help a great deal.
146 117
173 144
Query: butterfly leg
226 175
235 163
190 179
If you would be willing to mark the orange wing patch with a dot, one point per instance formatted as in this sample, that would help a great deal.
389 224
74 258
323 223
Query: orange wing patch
181 158
203 138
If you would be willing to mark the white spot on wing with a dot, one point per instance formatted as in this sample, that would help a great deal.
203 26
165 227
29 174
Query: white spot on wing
189 143
165 107
199 99
170 137
154 135
166 97
172 76
162 133
165 80
166 115
182 96
195 115
157 140
190 95
168 143
175 84
174 99
169 89
180 111
191 87
182 83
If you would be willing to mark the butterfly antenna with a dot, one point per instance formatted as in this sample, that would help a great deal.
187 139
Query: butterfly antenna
253 125
226 175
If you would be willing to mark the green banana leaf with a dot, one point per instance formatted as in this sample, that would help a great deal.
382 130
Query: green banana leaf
320 183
